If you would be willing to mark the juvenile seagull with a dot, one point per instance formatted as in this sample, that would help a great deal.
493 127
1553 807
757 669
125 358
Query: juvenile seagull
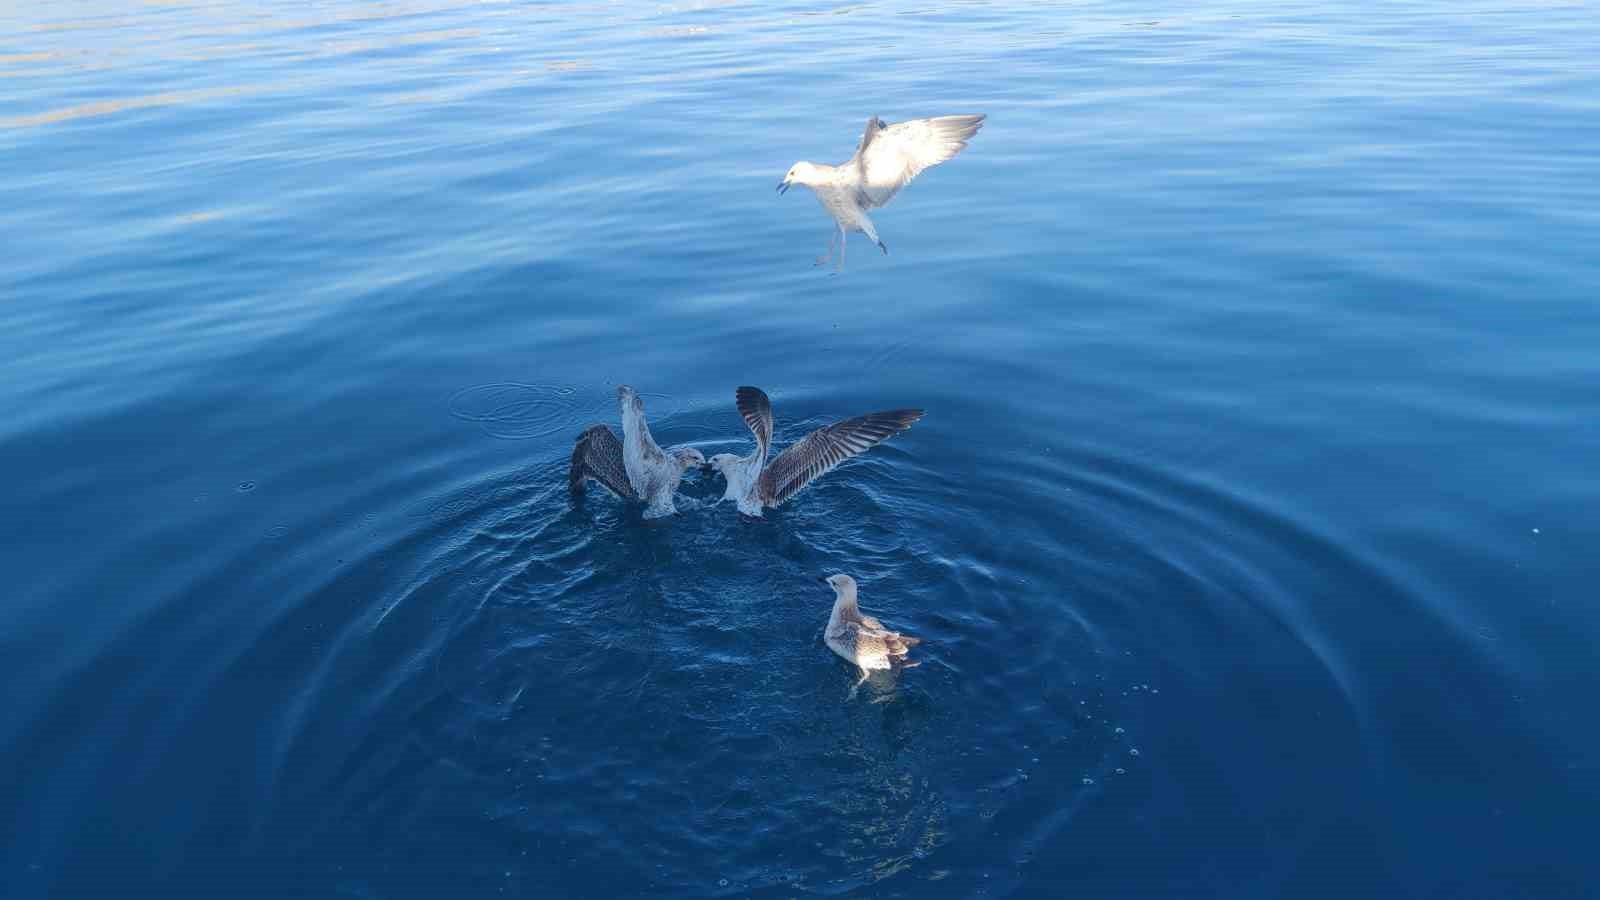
888 158
755 485
861 639
633 468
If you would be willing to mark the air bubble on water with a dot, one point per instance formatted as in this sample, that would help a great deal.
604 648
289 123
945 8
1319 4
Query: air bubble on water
1536 531
1036 760
1121 771
1119 729
1088 780
1155 690
245 487
1134 752
722 882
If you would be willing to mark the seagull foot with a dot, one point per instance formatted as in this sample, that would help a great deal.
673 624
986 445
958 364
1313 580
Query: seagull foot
884 248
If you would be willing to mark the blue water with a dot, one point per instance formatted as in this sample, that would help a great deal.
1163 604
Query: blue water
1252 526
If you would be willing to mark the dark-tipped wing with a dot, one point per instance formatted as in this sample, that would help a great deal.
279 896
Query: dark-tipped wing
874 125
823 449
598 455
898 153
757 412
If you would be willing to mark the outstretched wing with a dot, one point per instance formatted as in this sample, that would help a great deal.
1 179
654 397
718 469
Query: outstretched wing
890 156
598 455
757 412
823 449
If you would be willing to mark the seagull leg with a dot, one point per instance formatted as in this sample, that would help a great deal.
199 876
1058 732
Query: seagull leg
872 234
832 237
843 239
859 682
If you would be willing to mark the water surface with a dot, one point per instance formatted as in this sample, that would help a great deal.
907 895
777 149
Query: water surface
1251 526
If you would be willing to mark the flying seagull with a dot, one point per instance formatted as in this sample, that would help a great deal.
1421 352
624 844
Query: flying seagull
756 485
861 639
888 158
633 468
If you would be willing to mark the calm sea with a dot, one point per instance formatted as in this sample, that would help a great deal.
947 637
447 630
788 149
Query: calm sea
1253 527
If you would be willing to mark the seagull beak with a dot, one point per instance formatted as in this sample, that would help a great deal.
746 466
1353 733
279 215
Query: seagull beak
783 186
824 580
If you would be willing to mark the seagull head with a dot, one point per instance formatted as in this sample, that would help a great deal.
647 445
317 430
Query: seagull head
799 173
721 462
844 587
689 458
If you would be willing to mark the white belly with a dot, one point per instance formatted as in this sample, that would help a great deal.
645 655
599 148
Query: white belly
839 205
742 486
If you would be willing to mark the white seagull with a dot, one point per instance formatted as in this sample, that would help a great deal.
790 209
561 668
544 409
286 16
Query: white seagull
888 158
633 468
757 485
860 639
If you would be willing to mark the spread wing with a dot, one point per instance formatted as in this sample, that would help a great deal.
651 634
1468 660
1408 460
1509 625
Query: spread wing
598 455
757 412
823 449
890 156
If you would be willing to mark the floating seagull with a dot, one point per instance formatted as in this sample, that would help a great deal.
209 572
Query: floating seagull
888 158
860 639
757 485
633 468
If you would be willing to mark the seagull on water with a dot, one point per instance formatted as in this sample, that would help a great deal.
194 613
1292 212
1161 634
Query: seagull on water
756 485
860 639
634 468
888 158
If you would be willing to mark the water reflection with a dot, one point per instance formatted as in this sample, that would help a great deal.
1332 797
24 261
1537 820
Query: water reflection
111 107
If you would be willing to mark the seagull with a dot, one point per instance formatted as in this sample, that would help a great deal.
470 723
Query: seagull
861 639
633 468
757 485
888 158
